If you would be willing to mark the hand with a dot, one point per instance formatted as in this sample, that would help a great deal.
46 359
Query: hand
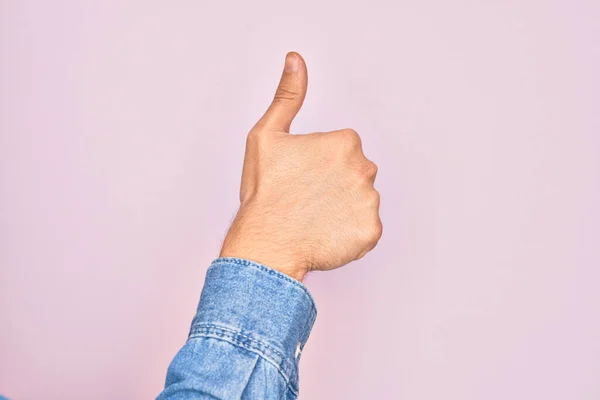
307 201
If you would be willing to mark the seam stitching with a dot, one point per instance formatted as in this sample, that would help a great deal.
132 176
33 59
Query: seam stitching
199 328
251 344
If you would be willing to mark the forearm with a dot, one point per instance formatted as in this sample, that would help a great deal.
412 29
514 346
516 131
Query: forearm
246 338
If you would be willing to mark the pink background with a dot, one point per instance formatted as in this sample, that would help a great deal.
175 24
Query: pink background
122 135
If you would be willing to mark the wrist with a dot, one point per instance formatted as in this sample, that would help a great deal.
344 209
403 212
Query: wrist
255 242
273 261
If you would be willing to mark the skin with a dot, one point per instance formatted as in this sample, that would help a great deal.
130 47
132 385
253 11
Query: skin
307 202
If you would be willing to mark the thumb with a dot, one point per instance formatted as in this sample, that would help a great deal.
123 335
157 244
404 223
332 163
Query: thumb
289 95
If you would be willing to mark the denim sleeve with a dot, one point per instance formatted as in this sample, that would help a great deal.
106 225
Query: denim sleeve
246 338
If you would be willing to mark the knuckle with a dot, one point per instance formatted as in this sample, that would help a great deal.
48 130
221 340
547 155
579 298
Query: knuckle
372 236
369 169
374 168
350 137
257 137
254 139
285 94
376 231
253 134
374 199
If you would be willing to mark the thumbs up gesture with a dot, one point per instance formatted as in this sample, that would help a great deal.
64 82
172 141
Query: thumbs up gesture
307 201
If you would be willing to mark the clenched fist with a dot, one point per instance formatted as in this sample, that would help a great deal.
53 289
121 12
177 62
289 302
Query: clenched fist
307 201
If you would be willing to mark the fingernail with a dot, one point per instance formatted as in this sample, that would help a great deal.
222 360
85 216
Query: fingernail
292 63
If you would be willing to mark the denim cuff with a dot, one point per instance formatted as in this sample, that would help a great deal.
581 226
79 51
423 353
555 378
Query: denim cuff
258 308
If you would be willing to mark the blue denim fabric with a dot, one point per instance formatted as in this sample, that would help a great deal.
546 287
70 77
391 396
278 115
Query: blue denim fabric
246 338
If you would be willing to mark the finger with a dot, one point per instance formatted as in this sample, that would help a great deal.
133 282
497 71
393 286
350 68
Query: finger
371 172
289 96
